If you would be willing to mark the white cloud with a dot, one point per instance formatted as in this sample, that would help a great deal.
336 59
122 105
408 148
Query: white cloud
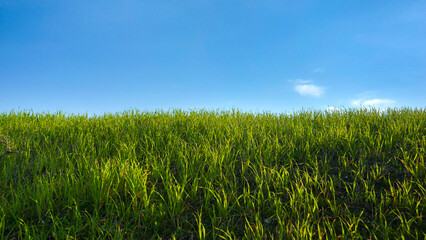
319 70
309 90
356 102
373 103
300 81
332 109
377 101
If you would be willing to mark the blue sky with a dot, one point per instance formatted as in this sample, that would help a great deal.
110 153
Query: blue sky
278 56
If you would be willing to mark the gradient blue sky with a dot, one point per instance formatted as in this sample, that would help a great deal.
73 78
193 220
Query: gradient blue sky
267 55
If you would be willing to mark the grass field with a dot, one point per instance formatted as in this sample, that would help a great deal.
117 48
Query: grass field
214 175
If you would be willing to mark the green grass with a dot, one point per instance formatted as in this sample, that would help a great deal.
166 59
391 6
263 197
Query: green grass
353 174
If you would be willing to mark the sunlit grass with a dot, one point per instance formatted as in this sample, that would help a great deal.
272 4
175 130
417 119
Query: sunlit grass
214 175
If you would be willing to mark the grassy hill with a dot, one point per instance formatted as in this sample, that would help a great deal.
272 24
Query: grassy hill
214 175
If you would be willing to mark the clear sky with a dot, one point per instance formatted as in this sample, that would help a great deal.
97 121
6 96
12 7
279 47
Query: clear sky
268 55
